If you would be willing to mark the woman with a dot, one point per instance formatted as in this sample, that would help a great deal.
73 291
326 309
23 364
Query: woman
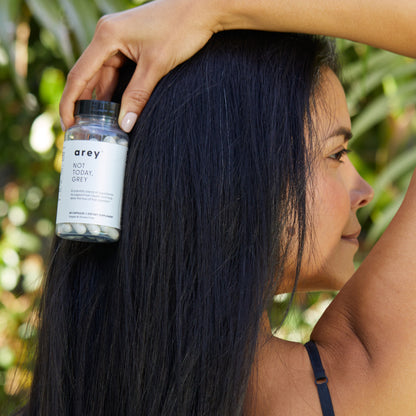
363 369
226 166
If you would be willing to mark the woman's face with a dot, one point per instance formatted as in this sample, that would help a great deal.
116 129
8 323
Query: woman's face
337 191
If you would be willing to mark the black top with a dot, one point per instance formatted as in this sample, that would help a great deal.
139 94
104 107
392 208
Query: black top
321 380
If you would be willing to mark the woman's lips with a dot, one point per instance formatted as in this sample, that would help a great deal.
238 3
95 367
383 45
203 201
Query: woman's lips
351 238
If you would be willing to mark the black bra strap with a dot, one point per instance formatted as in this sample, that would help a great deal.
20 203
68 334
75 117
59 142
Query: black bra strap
321 379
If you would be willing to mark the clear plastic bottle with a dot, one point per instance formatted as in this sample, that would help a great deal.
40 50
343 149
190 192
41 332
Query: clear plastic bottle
92 175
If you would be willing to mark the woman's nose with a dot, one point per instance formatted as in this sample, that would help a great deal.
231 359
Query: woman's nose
361 194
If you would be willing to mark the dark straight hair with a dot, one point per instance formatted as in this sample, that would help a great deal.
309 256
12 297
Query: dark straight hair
166 321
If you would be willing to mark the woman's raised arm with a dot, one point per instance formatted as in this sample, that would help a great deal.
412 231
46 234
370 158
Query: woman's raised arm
162 34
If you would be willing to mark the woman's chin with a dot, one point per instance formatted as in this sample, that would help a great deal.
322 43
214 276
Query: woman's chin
330 280
326 279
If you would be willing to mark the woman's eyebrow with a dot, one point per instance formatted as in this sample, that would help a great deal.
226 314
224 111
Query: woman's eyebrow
341 131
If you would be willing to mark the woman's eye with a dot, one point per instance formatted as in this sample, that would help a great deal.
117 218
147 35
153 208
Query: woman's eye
338 155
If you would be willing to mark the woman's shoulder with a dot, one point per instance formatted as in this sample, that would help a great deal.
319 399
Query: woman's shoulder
282 379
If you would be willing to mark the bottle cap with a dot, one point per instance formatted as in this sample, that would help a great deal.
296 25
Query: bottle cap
97 108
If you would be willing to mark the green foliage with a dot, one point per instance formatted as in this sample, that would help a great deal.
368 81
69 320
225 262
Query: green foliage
39 42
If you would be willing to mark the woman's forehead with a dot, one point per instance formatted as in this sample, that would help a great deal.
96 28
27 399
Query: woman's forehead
330 111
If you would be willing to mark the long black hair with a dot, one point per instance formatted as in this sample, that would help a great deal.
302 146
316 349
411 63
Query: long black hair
166 321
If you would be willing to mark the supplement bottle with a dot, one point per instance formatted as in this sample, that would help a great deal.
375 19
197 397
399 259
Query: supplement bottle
92 175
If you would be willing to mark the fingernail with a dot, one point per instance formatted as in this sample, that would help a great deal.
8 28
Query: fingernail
128 122
62 125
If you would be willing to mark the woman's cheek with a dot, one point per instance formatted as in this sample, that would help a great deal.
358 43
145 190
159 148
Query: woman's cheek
330 214
331 207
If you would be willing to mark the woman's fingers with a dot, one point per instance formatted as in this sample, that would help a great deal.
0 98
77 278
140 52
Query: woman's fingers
106 84
88 90
152 37
147 74
108 79
82 78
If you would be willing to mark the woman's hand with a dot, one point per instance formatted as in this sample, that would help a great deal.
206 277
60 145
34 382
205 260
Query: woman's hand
157 36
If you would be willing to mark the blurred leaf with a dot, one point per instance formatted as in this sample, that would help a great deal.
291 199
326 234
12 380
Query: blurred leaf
343 44
51 87
48 13
401 165
380 108
7 357
368 83
112 6
9 13
356 69
24 240
383 221
8 19
82 17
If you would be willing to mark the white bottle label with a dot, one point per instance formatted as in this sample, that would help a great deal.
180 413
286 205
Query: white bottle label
91 183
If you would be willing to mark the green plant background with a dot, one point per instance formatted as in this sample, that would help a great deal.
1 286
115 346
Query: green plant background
39 42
